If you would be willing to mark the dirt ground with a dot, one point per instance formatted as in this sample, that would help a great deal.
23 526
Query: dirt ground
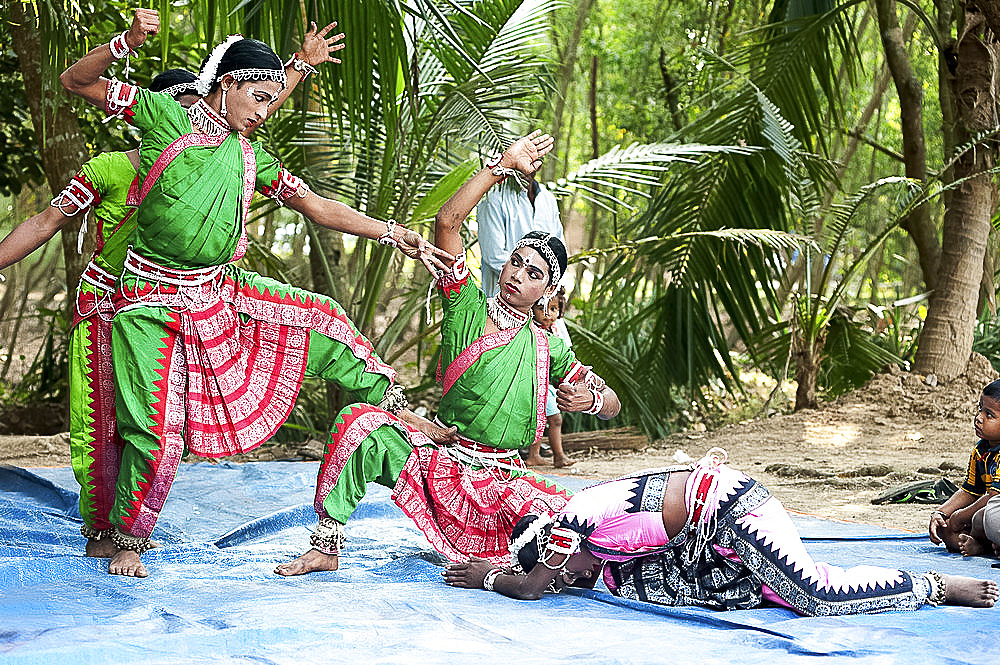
829 462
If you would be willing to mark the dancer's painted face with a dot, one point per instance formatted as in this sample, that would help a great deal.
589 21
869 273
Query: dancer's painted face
247 102
581 570
524 279
987 420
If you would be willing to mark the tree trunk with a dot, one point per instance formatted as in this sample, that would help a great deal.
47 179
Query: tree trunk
946 339
807 359
918 224
566 69
60 143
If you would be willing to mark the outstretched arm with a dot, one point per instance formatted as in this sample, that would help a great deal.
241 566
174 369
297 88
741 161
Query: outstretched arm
335 215
472 573
524 155
31 234
85 76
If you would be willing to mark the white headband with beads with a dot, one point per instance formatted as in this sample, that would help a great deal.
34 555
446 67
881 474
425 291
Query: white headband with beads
543 248
208 75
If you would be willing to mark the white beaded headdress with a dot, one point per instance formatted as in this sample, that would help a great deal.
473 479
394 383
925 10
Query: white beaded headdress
543 248
189 87
208 75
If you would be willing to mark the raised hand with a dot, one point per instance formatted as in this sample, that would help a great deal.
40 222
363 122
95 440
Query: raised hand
145 22
317 48
526 153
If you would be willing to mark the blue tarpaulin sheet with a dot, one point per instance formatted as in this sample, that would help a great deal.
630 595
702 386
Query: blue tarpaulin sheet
212 596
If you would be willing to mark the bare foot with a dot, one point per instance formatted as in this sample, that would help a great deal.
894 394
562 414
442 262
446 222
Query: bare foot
127 563
309 562
969 592
563 462
969 546
101 549
534 460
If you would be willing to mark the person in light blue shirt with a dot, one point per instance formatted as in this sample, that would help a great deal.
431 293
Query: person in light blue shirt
505 214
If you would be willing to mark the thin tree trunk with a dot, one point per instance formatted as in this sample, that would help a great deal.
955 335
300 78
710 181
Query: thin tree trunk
566 69
909 88
60 143
946 339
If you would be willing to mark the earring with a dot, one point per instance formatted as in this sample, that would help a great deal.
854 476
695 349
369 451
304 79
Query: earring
222 106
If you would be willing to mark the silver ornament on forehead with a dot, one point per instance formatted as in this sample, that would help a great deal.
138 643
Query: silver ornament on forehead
543 248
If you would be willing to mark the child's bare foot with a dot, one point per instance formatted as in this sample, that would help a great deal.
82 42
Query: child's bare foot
970 546
969 592
534 460
309 562
562 462
104 548
127 563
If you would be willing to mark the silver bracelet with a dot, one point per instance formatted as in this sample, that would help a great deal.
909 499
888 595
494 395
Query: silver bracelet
491 578
387 238
941 513
303 67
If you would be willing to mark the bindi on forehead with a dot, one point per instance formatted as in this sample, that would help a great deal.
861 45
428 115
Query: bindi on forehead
531 258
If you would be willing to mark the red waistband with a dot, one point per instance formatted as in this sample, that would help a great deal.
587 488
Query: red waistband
474 446
143 267
99 277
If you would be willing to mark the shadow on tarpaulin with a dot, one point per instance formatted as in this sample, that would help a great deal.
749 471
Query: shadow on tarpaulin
212 596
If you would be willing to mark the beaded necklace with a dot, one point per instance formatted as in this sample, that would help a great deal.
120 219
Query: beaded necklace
505 316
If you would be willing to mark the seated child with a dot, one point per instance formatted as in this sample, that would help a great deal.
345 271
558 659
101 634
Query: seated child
549 318
958 523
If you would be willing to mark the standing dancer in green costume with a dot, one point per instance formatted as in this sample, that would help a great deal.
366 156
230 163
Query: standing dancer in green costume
207 355
103 184
467 497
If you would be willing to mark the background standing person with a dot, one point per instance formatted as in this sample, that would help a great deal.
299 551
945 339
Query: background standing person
549 317
505 215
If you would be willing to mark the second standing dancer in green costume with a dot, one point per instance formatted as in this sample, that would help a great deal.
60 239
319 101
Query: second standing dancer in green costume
468 496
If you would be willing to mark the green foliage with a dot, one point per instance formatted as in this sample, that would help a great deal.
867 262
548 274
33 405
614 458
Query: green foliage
19 159
987 338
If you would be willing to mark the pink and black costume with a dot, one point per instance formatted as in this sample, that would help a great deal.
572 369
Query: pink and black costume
738 549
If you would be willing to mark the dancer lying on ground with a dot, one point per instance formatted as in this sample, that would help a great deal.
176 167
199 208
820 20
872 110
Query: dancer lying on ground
952 523
103 184
206 355
703 535
467 497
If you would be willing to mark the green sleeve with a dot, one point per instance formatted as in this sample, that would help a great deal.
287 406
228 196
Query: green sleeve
561 358
268 169
145 110
459 291
98 171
